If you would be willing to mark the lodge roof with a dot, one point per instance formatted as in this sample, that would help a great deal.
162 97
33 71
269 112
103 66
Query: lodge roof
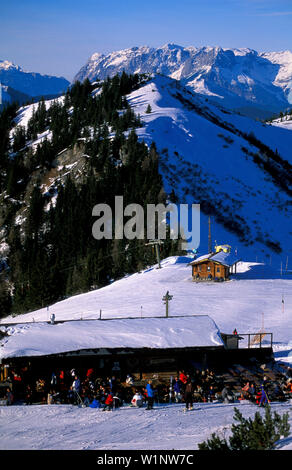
226 259
42 339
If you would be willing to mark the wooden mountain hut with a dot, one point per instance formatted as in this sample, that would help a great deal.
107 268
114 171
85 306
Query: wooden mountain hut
214 266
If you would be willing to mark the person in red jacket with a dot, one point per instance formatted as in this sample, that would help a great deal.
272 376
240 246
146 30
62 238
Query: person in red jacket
90 373
183 380
109 401
182 377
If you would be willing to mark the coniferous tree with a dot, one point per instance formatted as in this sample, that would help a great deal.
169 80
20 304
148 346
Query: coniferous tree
19 138
5 297
251 434
148 109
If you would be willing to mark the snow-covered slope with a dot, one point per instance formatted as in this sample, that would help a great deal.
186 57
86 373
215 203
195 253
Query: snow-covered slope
9 95
207 157
284 122
25 113
30 83
241 79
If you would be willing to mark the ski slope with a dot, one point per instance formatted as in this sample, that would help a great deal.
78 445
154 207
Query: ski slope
166 427
202 159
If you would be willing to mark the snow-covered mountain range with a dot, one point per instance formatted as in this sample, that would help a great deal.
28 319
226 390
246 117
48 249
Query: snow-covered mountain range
29 83
254 83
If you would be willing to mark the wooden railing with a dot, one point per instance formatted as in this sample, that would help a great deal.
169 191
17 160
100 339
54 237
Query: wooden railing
255 340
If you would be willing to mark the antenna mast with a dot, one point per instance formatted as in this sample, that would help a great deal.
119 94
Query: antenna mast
209 238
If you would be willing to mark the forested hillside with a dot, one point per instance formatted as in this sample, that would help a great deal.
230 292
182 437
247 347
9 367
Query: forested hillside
48 251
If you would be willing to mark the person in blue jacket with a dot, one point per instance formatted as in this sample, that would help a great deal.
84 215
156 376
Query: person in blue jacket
150 395
95 403
177 386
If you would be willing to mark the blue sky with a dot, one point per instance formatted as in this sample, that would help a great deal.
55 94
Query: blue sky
57 37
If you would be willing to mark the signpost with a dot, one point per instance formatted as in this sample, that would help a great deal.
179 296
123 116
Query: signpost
166 298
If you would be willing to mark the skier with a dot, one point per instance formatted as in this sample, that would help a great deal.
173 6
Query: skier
53 380
182 377
90 373
9 397
113 384
150 395
170 392
264 397
50 399
109 401
177 390
188 395
245 391
252 392
129 380
76 387
227 395
137 400
28 395
211 394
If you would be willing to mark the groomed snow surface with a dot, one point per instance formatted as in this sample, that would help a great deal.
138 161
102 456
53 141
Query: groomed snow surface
166 427
251 300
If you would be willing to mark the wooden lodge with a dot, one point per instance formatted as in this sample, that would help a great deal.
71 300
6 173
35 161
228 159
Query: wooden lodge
155 348
153 345
216 266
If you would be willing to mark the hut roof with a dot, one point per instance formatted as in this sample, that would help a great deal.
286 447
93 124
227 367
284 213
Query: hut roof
226 259
39 339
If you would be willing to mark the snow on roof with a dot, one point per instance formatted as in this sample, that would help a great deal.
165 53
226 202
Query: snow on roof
202 258
227 259
39 339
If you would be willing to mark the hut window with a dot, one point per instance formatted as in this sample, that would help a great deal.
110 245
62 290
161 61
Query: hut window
218 270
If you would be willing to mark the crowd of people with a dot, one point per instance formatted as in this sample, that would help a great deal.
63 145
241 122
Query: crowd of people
84 388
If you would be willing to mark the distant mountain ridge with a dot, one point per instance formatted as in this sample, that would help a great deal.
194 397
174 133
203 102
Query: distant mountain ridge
9 95
256 84
30 84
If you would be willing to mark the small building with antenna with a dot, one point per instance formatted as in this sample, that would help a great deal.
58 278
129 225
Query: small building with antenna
215 266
